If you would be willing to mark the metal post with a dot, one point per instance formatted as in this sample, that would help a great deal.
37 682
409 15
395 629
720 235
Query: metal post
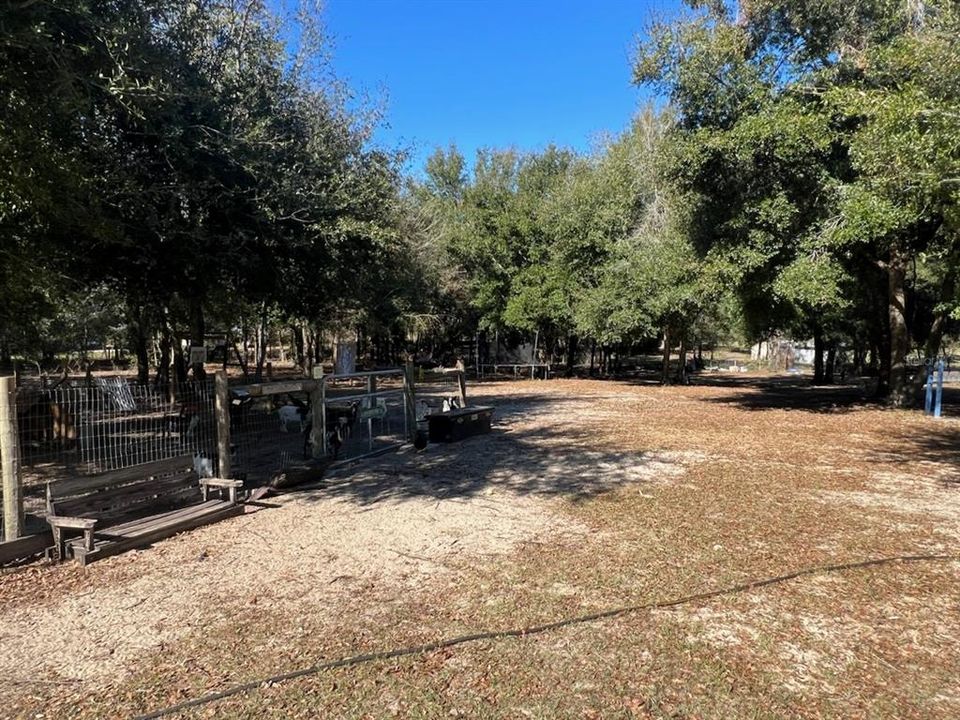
371 388
10 461
928 401
939 401
222 410
410 404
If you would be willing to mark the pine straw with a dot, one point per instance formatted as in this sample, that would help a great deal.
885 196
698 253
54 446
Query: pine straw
642 493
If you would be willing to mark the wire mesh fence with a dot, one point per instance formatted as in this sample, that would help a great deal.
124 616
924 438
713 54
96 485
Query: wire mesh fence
89 426
364 413
109 424
268 433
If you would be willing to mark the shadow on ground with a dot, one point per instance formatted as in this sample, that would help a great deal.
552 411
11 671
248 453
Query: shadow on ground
936 445
790 393
519 455
561 457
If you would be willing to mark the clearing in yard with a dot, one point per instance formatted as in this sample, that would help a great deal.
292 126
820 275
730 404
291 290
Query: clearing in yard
587 496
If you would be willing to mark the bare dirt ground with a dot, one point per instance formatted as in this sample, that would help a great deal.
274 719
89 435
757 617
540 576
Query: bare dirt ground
587 496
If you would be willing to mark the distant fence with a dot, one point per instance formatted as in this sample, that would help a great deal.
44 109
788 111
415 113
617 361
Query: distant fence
515 370
96 425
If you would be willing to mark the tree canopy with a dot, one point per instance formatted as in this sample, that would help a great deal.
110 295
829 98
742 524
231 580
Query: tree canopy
171 167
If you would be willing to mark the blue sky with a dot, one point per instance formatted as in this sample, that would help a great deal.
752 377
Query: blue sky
492 73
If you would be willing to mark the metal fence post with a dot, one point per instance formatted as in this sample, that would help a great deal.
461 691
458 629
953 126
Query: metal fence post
410 402
10 461
939 401
222 411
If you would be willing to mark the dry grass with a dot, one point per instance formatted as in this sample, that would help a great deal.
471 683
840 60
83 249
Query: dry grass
589 495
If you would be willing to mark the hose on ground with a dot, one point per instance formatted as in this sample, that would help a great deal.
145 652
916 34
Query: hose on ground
532 630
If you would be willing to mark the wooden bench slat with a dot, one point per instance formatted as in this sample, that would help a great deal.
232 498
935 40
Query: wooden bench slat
135 527
80 486
125 499
101 549
134 506
74 523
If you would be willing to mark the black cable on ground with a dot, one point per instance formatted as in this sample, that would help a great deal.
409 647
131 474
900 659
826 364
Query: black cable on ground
533 630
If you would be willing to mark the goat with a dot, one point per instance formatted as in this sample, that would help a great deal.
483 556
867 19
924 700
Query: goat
292 414
340 421
203 465
450 403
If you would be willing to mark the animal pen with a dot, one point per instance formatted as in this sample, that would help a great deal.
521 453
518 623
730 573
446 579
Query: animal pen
92 427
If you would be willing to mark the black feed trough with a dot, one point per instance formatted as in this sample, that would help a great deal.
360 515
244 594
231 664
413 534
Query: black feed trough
461 423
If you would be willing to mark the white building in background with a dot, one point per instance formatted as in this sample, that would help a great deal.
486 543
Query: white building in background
783 353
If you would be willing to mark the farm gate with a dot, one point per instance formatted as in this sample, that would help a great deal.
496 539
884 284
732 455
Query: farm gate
340 417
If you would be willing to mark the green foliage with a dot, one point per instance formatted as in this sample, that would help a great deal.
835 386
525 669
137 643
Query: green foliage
177 154
816 142
563 246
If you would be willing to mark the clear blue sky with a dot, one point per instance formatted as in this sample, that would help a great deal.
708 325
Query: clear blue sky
492 73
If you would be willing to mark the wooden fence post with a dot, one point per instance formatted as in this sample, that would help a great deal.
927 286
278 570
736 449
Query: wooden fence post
10 461
318 416
222 411
462 387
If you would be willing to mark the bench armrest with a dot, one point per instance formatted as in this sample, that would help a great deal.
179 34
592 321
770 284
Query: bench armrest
221 482
74 523
231 485
59 522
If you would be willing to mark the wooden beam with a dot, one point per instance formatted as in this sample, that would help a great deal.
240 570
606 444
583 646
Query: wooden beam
462 387
279 388
24 547
410 401
318 419
10 461
222 411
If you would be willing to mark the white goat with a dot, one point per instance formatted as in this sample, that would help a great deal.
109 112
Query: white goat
290 414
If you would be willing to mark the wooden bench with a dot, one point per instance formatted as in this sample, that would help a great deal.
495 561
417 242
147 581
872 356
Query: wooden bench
133 507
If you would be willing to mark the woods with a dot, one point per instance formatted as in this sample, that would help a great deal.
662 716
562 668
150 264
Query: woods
176 170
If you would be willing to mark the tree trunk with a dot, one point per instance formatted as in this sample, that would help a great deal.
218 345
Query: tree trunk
163 362
141 344
682 367
828 370
179 362
143 358
899 336
197 334
262 337
571 353
817 356
859 358
593 355
665 371
298 347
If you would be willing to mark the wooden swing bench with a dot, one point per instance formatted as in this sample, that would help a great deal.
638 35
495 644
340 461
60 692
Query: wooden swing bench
117 511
